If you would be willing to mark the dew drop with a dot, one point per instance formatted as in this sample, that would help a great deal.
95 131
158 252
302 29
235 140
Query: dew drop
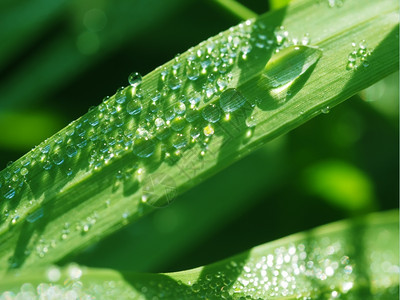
352 56
180 108
231 100
300 59
156 96
163 132
194 99
93 120
192 114
120 96
178 123
134 107
179 141
53 274
169 114
222 83
211 113
195 132
326 110
33 217
193 72
24 171
57 158
45 149
69 172
159 122
14 220
208 130
174 82
143 147
135 79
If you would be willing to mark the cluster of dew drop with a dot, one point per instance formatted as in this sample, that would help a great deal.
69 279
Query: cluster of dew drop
333 3
69 286
358 56
193 95
296 271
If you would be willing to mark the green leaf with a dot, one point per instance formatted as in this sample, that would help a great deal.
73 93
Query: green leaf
237 9
356 259
212 105
276 4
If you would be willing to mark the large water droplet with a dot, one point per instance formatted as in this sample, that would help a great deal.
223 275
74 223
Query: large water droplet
289 64
231 100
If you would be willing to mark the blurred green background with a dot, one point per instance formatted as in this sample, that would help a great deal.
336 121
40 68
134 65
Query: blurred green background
58 58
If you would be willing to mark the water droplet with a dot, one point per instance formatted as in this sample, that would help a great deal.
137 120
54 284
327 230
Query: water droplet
33 217
169 114
23 172
222 83
143 147
299 58
180 108
193 71
71 151
281 35
195 132
178 123
135 79
194 99
174 82
74 272
10 193
192 114
53 274
120 96
57 158
231 100
45 149
208 130
326 110
156 96
134 107
211 113
159 122
179 141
